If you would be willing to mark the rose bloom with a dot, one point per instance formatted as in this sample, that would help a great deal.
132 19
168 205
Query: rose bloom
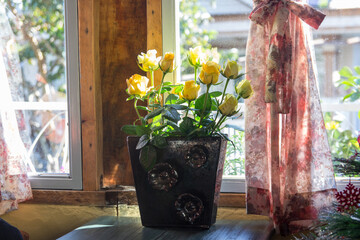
229 106
210 73
137 85
191 90
231 69
244 89
167 63
149 61
196 56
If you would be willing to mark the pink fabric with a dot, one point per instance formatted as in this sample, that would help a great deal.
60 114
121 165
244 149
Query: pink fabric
15 186
289 171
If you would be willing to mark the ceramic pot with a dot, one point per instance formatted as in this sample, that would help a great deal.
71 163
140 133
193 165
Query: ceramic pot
182 190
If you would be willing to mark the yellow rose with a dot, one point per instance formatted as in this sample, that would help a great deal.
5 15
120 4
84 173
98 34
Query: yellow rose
191 90
231 69
137 85
149 61
196 56
229 106
210 73
244 89
167 63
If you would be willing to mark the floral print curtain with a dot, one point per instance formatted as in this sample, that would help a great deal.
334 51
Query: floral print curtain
15 186
289 171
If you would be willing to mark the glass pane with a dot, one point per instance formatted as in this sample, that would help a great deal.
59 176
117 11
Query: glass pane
40 94
224 24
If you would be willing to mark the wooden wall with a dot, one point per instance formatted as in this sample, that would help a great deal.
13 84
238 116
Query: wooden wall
125 31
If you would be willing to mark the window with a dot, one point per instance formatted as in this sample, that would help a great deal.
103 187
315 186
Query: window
46 37
224 25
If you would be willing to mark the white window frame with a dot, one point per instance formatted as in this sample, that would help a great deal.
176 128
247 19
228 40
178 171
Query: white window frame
73 180
171 37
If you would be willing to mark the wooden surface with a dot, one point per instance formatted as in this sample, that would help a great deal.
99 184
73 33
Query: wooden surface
130 228
232 200
122 195
65 197
154 32
90 92
122 37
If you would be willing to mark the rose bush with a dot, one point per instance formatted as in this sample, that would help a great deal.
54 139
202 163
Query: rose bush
177 109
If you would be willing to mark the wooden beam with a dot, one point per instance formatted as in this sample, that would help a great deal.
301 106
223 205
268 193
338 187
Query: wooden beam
90 92
232 200
121 195
122 37
154 32
88 198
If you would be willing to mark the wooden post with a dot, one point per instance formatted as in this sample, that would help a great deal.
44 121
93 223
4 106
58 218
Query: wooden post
90 91
154 31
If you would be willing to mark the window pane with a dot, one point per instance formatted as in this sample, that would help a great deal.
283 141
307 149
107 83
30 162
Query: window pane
224 24
38 28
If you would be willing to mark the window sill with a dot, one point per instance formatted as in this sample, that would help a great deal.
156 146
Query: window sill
125 195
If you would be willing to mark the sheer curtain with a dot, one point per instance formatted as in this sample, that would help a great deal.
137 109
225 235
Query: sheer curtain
289 171
15 185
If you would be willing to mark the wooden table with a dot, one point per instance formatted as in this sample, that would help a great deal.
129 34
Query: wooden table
111 227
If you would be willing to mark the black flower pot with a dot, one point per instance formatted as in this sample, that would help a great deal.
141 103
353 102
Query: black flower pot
182 189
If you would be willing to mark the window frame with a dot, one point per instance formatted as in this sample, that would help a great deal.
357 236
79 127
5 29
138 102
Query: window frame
171 38
73 180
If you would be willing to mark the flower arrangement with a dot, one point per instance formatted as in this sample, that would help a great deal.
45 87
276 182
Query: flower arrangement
178 110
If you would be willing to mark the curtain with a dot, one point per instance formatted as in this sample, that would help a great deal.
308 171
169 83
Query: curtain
289 171
15 186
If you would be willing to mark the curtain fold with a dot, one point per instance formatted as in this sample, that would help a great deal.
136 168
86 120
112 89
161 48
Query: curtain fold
15 185
288 167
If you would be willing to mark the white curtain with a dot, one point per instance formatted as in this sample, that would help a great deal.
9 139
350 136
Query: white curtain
15 185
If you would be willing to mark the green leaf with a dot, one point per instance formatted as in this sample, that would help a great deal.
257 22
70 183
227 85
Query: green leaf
186 126
141 130
359 114
154 113
200 104
346 72
129 129
159 141
143 108
348 83
355 96
357 69
173 125
171 99
177 106
347 96
142 142
157 128
171 114
155 105
215 94
179 88
148 157
130 98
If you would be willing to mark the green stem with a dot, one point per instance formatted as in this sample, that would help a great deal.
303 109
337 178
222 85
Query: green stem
221 120
161 85
152 78
187 110
222 98
205 102
196 68
137 111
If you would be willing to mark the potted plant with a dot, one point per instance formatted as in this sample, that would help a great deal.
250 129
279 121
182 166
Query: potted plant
177 150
